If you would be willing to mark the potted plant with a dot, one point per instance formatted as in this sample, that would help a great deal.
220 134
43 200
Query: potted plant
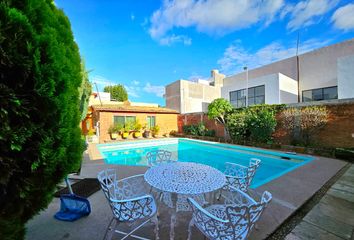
137 128
126 130
112 130
155 131
146 132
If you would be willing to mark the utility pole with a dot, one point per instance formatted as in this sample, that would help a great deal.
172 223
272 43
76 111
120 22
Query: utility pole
98 93
246 69
298 67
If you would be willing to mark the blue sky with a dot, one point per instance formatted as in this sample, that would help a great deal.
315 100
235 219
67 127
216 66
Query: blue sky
148 44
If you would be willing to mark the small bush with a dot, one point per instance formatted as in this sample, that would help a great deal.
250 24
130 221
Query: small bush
255 123
237 126
197 130
261 124
210 133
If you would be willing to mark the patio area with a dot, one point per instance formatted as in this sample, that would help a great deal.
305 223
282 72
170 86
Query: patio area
289 191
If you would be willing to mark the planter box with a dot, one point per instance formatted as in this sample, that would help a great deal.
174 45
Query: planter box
346 154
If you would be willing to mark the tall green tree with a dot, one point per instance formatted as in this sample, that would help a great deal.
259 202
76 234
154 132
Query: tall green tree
118 92
85 91
40 143
218 110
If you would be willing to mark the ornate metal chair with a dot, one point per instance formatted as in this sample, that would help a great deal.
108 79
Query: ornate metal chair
232 220
239 176
156 157
129 201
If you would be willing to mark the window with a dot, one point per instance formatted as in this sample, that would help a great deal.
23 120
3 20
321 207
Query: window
151 122
238 98
256 95
122 120
320 94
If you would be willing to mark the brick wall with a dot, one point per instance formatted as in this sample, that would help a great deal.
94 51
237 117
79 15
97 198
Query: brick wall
195 118
166 122
338 132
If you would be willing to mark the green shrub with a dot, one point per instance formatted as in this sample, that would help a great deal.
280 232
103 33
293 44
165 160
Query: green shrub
255 123
40 139
190 130
261 124
237 126
197 130
201 129
210 133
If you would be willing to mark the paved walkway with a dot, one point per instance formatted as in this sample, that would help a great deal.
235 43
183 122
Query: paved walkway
333 216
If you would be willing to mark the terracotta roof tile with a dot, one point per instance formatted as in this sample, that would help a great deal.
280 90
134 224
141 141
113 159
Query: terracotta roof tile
127 108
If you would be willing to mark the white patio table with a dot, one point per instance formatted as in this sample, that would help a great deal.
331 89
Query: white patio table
184 178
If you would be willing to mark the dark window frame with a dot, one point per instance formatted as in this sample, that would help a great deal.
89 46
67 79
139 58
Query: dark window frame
322 93
235 102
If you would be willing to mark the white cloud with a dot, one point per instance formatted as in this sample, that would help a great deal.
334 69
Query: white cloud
132 91
158 90
102 81
132 16
236 57
169 40
307 12
211 16
343 18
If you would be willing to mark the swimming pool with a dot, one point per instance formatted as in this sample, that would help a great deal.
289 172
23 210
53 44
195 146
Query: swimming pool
273 165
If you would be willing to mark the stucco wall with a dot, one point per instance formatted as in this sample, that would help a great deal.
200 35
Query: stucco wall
173 95
345 68
288 89
318 68
186 96
166 122
271 83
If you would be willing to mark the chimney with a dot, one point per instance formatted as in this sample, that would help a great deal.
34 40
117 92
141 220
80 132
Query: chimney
217 78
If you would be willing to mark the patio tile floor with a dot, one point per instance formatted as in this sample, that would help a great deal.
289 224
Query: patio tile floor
289 191
333 216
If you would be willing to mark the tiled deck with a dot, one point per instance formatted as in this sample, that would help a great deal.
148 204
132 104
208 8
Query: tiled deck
333 216
289 193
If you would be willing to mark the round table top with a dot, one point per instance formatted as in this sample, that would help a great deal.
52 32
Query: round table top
185 178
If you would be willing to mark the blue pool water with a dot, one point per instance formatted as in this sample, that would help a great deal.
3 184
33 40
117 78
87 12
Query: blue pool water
213 154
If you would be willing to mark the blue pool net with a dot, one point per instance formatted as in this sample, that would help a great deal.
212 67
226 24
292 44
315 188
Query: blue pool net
72 207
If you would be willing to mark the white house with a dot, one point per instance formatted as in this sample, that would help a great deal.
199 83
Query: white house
323 74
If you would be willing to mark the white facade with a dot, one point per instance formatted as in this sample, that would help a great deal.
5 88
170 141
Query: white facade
328 71
346 77
188 97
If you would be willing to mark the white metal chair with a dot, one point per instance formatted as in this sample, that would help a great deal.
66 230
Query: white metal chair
129 201
240 177
229 221
156 157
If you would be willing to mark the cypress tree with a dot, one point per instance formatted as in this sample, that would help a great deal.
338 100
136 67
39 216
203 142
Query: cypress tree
39 109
